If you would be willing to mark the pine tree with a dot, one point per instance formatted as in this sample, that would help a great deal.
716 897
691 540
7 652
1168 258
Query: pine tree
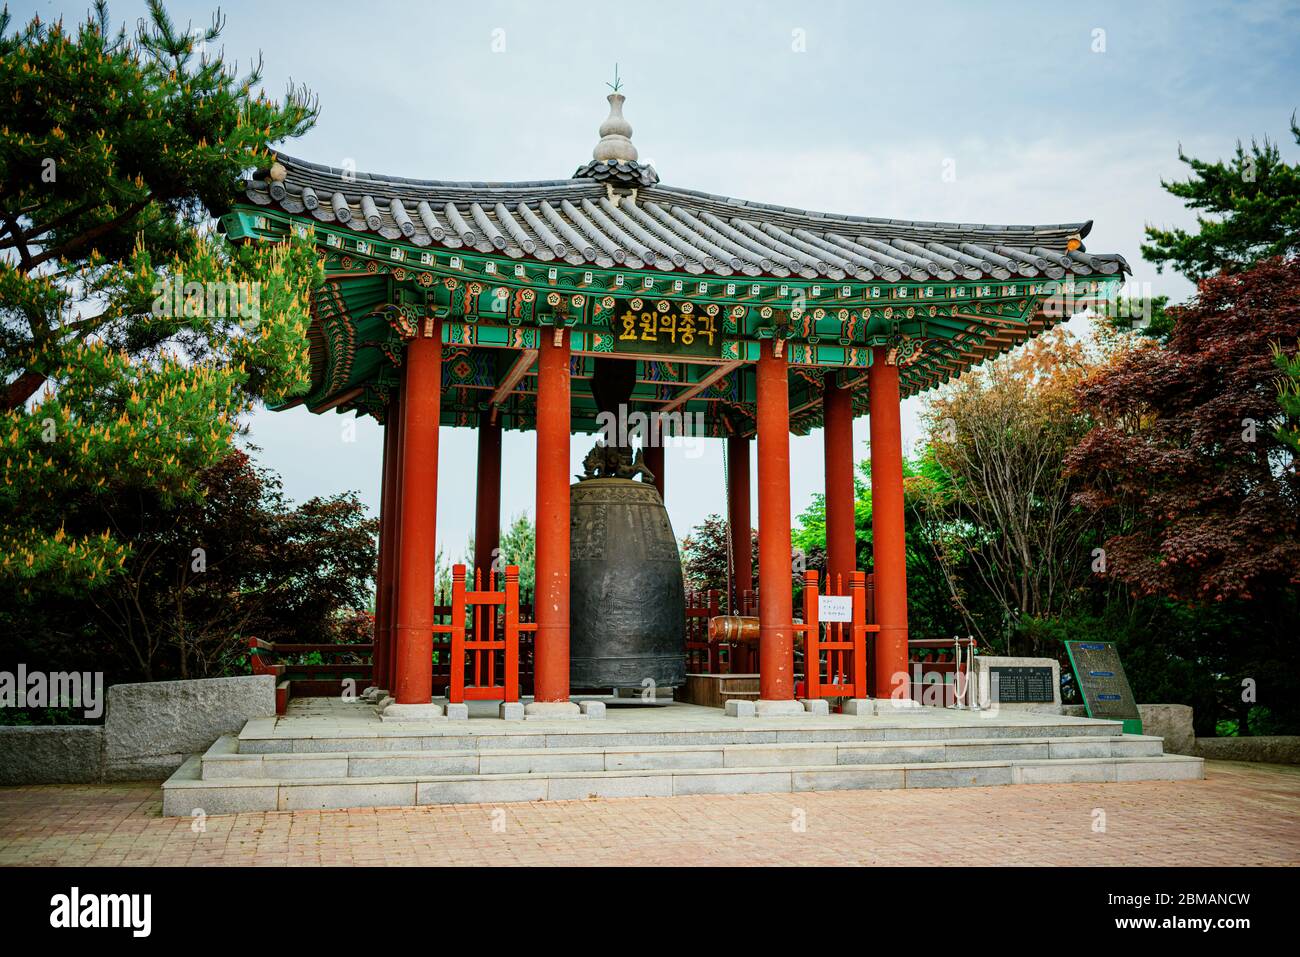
132 334
1288 392
1256 199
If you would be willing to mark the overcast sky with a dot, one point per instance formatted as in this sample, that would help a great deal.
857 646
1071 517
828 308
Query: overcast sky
1047 113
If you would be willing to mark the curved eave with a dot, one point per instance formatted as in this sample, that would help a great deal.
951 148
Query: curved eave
670 229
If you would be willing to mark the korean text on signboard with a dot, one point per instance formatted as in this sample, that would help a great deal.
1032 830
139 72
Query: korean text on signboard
835 607
648 330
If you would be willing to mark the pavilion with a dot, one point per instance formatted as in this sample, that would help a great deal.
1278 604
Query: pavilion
485 305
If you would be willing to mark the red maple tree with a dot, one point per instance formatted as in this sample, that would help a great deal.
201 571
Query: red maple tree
1185 456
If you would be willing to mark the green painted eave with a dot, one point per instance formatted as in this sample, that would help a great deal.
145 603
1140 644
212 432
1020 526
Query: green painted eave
492 307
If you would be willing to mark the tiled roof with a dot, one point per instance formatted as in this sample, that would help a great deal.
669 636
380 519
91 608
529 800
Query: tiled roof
662 227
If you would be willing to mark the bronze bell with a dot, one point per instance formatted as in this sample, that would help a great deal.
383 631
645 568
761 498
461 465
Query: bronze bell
627 615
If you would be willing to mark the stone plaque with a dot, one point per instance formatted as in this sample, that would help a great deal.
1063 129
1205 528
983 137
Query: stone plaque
1105 689
1022 685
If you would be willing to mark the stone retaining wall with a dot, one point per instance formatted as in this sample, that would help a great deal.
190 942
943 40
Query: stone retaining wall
1269 749
1171 722
149 729
62 754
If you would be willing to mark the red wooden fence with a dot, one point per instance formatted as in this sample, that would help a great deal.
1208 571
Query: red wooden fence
485 629
701 654
704 656
835 661
938 670
842 651
443 618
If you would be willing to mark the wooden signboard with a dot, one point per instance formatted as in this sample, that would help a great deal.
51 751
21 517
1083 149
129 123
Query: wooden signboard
1105 689
648 330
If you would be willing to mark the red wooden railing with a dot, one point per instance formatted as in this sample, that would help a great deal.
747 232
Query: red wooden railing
443 618
495 643
485 627
710 656
309 680
482 654
843 651
701 654
938 669
835 652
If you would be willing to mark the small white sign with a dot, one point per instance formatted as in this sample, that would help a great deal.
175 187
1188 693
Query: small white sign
835 607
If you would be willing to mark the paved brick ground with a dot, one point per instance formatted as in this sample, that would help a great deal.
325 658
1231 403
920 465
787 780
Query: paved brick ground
1241 814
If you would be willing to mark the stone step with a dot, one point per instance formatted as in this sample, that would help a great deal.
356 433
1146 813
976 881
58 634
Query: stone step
186 793
263 736
224 760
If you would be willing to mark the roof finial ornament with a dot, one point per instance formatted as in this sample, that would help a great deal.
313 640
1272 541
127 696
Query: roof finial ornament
614 160
616 132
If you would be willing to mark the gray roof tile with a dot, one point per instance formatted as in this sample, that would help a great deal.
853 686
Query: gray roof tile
671 228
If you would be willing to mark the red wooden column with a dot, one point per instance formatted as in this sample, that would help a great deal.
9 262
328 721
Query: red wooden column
841 532
383 576
551 598
487 500
738 520
654 461
889 554
395 549
413 656
775 599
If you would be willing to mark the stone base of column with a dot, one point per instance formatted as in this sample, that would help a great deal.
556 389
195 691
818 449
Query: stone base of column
374 695
552 711
412 713
511 711
816 705
777 709
863 707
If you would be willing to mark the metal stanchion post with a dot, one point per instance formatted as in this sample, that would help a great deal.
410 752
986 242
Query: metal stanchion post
958 687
